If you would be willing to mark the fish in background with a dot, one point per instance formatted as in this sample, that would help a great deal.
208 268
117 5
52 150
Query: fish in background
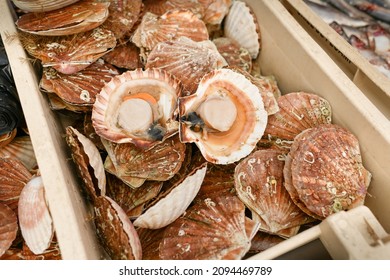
376 11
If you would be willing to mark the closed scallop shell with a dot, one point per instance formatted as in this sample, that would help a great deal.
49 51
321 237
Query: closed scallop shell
297 112
187 60
160 7
173 205
8 227
42 5
21 148
241 26
35 220
81 88
159 163
115 230
125 56
211 229
235 55
225 118
79 17
154 29
131 181
260 186
70 54
215 10
324 173
150 241
88 161
157 92
13 177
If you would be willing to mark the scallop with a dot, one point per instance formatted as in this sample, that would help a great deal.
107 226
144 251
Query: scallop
150 241
160 7
215 10
126 56
42 5
225 118
159 163
81 88
235 55
35 220
211 229
324 172
263 241
70 54
115 231
241 26
130 181
297 112
173 24
13 177
173 205
187 60
79 17
259 182
88 161
51 253
7 137
138 107
21 148
8 227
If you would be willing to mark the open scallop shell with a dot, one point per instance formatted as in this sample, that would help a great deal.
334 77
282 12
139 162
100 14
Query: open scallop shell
70 54
88 161
81 88
42 5
125 56
297 112
324 173
8 227
123 16
154 29
259 184
79 17
35 220
115 230
212 229
152 94
241 26
160 7
22 149
215 10
235 55
169 208
187 60
159 163
13 177
225 118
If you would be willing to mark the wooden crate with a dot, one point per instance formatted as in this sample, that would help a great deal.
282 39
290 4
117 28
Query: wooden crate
288 52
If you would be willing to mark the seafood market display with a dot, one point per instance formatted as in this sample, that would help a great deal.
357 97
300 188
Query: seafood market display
183 148
363 24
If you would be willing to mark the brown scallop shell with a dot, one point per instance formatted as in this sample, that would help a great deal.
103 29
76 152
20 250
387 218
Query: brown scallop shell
88 161
130 181
115 230
123 16
173 204
259 184
263 241
297 112
160 7
13 177
8 227
154 29
79 17
12 253
150 241
155 83
6 138
57 104
215 10
229 146
125 56
131 200
35 220
70 54
81 88
51 253
21 148
90 132
42 5
159 163
241 26
187 60
324 173
212 229
234 55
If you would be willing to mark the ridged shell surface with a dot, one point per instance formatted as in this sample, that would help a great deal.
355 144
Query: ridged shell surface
169 208
215 10
35 220
22 149
125 56
8 227
160 7
42 5
235 55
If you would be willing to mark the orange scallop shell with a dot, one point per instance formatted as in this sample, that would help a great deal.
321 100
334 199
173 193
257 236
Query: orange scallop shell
79 17
160 7
125 56
154 29
21 148
234 55
215 10
324 173
81 88
8 227
42 5
6 138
